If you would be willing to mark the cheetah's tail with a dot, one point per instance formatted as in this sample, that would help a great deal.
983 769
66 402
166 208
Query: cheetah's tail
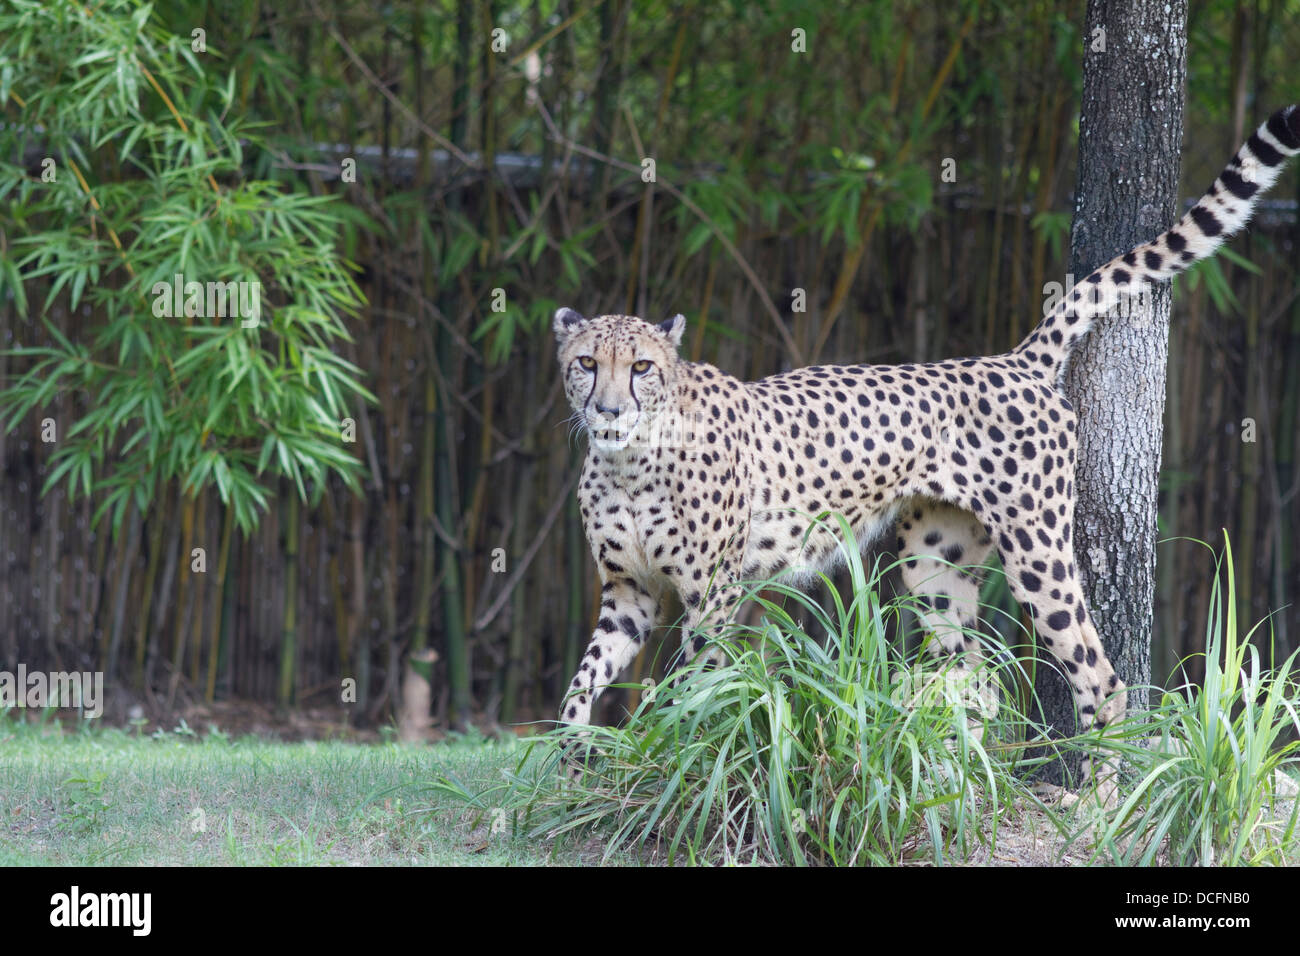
1224 209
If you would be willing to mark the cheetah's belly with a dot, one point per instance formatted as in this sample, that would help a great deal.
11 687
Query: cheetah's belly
789 540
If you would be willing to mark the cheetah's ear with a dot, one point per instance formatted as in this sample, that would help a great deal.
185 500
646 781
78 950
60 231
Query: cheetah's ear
566 322
673 328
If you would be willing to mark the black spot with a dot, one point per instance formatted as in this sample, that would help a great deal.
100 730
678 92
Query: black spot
1241 188
1208 222
1265 153
1285 127
1058 620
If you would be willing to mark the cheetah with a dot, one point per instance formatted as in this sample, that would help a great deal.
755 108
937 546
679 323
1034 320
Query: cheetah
695 480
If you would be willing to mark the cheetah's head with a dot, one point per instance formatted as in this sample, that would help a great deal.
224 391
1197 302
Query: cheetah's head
619 373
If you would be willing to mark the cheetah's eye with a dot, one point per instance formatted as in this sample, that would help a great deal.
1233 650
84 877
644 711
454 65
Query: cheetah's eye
587 362
641 367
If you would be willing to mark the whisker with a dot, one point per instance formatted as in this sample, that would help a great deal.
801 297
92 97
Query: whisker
577 423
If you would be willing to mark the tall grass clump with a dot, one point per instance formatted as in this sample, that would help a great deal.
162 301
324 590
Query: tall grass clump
1217 777
793 752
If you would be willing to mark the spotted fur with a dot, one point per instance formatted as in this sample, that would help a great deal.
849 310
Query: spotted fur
1224 209
695 480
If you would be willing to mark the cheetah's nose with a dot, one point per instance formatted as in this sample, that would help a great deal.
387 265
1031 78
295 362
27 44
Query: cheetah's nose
611 413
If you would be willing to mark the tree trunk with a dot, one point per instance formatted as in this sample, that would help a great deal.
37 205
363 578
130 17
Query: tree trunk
1130 141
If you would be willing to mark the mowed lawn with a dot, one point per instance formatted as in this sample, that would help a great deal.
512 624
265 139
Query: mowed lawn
111 797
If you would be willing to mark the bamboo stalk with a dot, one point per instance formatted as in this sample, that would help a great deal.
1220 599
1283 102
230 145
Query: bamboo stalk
338 532
124 577
188 505
520 623
475 515
445 500
200 592
425 583
360 633
289 628
223 565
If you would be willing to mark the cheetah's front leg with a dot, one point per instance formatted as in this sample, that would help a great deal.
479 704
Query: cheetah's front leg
701 626
710 596
627 613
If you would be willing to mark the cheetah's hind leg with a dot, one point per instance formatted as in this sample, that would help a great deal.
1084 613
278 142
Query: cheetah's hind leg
942 550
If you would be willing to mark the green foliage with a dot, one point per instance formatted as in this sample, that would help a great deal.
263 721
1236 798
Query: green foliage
86 804
1212 273
148 154
794 752
1217 775
799 753
1054 227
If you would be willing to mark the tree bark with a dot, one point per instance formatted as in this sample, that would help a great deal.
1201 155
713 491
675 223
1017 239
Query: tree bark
1130 142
